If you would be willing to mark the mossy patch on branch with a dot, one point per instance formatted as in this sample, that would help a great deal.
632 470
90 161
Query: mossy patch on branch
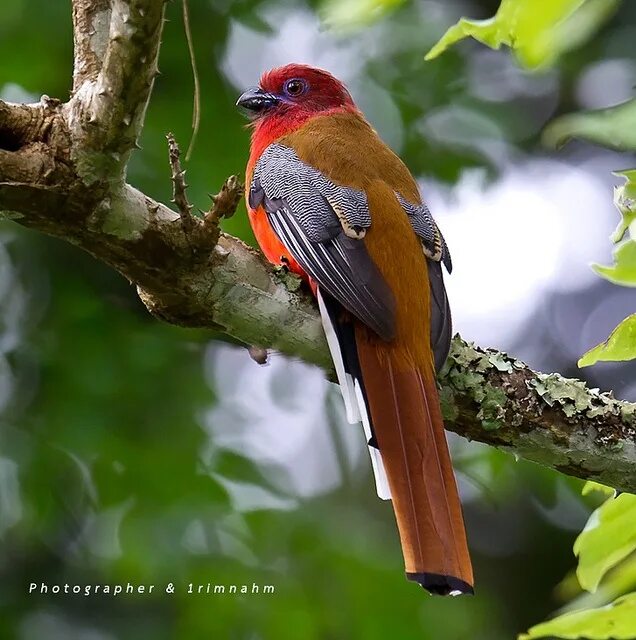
508 394
467 370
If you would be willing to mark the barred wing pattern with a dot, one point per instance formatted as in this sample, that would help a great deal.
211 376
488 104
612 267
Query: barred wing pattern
322 225
425 227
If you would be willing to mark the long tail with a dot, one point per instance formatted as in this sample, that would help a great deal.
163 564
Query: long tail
408 427
398 406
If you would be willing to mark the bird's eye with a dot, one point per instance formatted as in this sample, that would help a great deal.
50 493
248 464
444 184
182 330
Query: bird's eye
295 87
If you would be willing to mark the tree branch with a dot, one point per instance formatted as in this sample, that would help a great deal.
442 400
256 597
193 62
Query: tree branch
62 169
117 46
91 20
558 422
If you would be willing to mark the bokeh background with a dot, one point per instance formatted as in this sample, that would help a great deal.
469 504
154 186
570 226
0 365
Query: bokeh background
132 451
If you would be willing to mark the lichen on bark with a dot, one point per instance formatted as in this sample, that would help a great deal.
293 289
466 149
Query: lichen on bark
556 421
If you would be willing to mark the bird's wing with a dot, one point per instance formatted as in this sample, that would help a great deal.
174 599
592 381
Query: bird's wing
425 227
323 224
437 253
441 321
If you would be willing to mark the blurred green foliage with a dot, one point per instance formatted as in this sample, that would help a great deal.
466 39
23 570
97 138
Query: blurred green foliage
612 127
623 271
109 467
625 200
615 128
614 622
621 345
535 31
346 14
539 31
607 540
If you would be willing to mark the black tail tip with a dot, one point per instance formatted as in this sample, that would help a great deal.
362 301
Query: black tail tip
441 585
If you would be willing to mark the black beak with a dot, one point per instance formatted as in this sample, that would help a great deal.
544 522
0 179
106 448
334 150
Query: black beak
254 102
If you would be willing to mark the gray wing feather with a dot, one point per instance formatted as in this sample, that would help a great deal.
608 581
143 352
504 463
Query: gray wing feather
425 227
437 254
319 205
441 321
322 224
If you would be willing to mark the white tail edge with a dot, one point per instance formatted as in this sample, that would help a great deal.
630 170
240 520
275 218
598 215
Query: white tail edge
355 406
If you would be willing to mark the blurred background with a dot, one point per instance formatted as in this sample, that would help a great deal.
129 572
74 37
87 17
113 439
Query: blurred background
132 451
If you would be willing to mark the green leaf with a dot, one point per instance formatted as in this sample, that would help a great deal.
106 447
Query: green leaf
347 14
616 583
620 346
537 30
623 271
609 537
614 127
625 201
616 621
590 486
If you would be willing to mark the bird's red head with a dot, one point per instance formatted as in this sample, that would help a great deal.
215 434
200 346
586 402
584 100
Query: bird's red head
289 96
293 91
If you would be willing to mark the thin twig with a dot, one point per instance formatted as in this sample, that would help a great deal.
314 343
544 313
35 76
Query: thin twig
224 205
196 106
202 234
179 186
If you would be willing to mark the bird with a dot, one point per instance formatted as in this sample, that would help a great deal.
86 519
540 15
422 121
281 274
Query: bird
329 201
